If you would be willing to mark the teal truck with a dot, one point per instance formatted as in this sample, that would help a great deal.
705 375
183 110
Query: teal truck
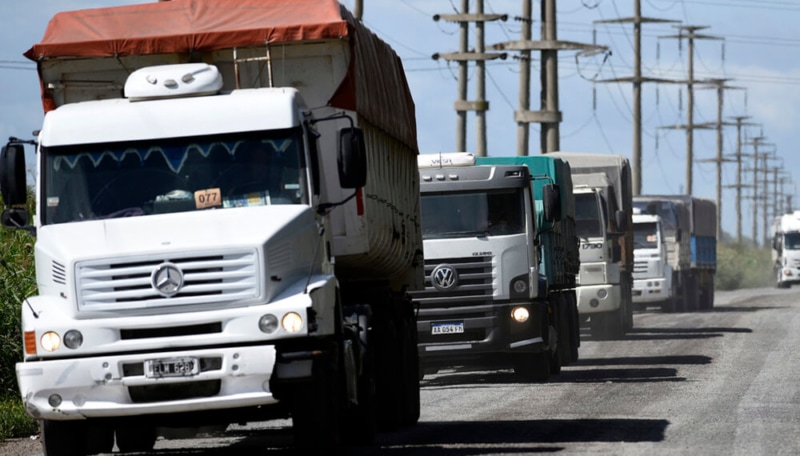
558 241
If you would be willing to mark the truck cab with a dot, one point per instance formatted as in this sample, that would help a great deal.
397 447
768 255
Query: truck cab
786 250
484 302
652 274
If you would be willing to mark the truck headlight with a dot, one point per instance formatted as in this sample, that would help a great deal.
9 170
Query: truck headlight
602 293
292 322
268 324
50 341
520 314
73 339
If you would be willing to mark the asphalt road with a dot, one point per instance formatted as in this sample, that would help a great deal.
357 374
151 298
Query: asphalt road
712 383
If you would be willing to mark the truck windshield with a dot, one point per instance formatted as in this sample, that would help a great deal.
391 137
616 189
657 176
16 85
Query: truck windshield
588 222
492 213
96 181
791 241
645 235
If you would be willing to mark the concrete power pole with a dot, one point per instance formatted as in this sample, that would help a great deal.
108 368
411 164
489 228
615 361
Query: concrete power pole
637 20
739 122
358 10
463 57
549 116
719 85
690 126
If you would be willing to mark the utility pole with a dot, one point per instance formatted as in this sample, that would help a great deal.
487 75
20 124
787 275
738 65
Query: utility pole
463 57
755 142
637 20
690 35
739 122
719 84
549 115
358 10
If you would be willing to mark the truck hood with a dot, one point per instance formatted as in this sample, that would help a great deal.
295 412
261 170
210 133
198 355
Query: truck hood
178 232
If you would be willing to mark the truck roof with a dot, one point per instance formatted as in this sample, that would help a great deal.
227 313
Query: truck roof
180 30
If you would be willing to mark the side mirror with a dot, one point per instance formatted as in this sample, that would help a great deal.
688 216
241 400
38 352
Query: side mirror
551 201
352 158
15 218
13 184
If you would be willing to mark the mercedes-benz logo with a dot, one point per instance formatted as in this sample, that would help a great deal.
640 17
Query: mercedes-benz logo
444 277
167 279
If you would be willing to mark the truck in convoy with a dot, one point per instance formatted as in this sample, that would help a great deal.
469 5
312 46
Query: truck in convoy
785 233
485 301
690 237
558 243
652 274
227 225
603 219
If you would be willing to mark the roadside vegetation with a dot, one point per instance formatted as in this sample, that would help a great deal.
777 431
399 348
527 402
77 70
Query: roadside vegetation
16 283
738 266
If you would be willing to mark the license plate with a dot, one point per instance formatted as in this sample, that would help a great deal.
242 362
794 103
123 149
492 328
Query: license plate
447 328
171 367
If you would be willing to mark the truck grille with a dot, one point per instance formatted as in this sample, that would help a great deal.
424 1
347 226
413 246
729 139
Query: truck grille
127 283
475 280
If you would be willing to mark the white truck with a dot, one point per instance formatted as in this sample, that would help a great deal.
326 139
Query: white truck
485 302
652 274
785 232
603 220
227 225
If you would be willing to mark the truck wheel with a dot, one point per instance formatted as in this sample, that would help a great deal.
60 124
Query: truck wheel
63 438
564 343
360 418
608 325
317 406
100 438
136 439
533 367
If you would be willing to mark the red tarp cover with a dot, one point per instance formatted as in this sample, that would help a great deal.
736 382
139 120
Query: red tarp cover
183 26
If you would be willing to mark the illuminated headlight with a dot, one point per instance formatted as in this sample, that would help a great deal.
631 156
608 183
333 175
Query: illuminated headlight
602 293
73 339
268 324
292 322
787 271
520 314
50 341
520 286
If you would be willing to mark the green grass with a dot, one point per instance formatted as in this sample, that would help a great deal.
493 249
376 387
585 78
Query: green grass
15 421
743 266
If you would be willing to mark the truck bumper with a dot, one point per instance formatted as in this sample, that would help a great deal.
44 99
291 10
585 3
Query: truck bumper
116 386
489 334
598 298
650 290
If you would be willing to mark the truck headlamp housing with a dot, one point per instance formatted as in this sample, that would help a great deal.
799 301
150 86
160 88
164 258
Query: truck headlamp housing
520 287
50 341
73 339
292 322
520 314
268 324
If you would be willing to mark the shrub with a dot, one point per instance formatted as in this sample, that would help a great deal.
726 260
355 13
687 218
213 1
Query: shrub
743 266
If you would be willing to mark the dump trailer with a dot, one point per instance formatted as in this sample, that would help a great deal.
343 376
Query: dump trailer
227 225
485 303
785 233
603 218
690 233
560 257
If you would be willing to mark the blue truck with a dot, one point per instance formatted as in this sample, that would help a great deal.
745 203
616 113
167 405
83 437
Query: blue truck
690 231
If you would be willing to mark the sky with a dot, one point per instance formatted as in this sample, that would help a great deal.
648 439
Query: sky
753 46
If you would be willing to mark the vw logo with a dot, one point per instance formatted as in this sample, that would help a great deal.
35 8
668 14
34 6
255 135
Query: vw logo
444 277
167 279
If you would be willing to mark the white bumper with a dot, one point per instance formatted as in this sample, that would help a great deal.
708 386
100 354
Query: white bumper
99 386
598 298
650 290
